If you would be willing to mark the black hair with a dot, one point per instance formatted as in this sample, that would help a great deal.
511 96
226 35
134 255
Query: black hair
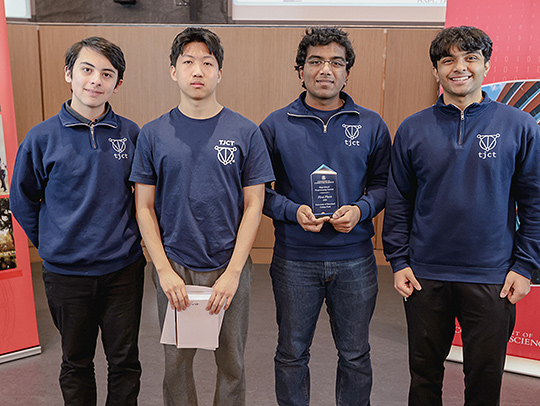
101 45
197 34
315 36
467 39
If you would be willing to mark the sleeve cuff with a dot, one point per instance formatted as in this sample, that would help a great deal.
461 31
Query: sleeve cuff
399 263
522 270
365 210
290 212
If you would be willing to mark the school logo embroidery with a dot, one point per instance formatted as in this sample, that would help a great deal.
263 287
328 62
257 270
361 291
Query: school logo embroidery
225 151
352 131
119 146
487 143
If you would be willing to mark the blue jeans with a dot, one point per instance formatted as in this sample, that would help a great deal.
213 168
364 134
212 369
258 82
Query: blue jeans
350 290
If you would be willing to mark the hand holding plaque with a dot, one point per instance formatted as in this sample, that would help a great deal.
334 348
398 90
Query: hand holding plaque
324 193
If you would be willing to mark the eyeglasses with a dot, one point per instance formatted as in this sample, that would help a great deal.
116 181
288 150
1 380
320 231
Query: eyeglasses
336 64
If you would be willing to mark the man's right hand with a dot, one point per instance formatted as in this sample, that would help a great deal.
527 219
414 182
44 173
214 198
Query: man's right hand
308 221
405 282
174 288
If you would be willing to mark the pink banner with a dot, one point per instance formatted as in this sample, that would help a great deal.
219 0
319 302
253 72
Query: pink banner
18 327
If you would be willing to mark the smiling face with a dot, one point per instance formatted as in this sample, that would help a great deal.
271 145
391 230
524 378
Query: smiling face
461 74
93 81
196 72
323 83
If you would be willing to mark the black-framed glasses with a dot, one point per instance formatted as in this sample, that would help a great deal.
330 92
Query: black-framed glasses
336 64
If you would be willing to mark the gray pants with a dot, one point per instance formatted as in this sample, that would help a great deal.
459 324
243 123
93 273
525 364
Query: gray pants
179 382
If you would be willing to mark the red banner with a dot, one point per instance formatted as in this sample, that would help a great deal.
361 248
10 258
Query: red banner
514 28
514 78
18 327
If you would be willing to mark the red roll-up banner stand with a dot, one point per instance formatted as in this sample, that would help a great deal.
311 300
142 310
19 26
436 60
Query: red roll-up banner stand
18 326
514 78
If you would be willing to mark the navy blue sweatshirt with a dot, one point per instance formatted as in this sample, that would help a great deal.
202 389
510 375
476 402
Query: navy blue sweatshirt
454 184
70 193
355 143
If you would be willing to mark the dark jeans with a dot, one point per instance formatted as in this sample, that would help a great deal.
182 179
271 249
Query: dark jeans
486 321
81 306
349 289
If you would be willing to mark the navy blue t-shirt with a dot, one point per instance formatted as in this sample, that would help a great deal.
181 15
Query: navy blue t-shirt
199 168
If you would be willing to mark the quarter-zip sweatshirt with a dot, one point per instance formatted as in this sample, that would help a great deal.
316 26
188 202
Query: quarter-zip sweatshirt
456 178
355 143
70 192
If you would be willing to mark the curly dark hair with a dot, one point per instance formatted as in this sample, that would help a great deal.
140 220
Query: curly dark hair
101 45
197 34
465 38
315 36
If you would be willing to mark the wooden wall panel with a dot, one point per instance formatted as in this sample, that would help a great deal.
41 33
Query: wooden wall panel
258 70
409 84
26 78
366 79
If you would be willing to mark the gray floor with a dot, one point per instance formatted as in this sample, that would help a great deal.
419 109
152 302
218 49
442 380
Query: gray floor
33 381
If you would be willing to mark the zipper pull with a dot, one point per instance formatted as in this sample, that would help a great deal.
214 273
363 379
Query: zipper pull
94 145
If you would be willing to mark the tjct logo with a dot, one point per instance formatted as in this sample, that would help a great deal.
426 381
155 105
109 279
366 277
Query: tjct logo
119 145
487 143
225 151
352 132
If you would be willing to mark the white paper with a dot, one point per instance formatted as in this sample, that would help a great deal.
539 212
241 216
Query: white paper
194 327
168 334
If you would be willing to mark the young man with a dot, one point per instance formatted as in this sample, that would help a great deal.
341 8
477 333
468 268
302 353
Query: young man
70 193
200 171
330 257
458 170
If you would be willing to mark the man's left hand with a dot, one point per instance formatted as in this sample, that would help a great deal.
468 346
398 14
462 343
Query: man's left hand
345 218
516 287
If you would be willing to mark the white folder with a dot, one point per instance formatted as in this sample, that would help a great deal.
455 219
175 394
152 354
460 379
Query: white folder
194 327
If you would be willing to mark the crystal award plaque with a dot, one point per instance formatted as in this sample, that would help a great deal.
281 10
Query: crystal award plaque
324 194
